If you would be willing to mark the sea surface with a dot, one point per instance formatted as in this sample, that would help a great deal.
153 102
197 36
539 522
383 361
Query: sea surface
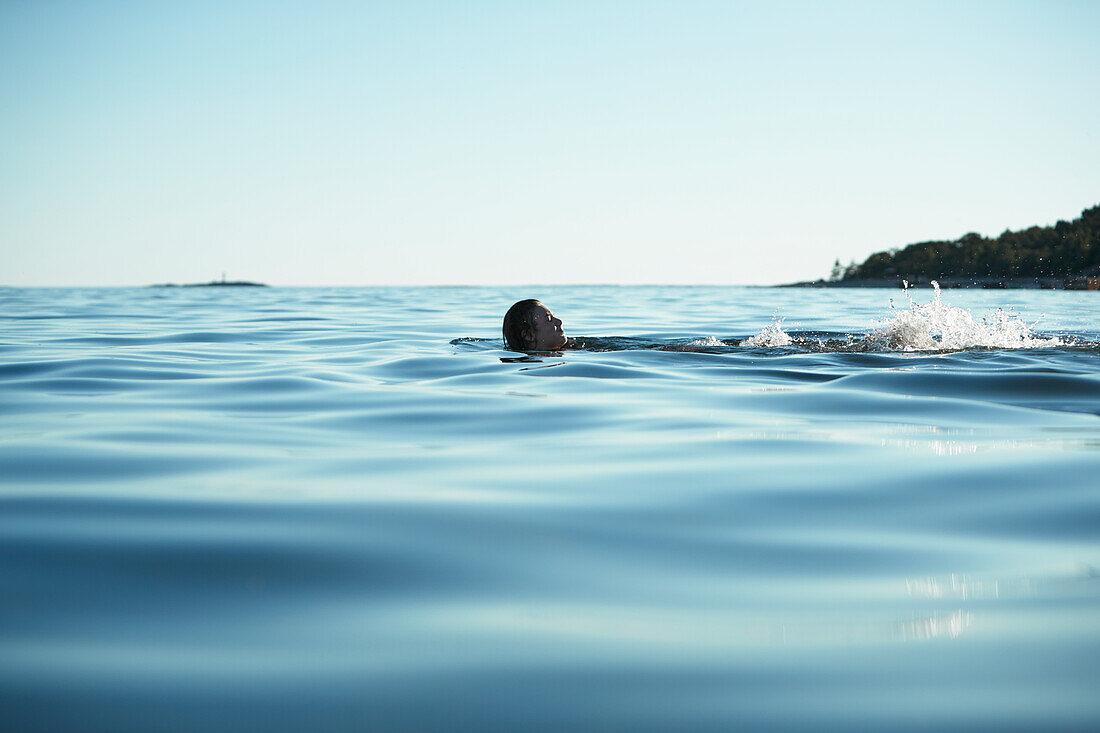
351 509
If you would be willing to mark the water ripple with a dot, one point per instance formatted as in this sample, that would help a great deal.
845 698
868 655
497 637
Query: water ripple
349 509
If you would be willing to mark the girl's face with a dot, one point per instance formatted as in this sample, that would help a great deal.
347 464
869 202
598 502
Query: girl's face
545 329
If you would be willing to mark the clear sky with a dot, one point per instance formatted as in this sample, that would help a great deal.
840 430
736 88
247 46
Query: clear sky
344 143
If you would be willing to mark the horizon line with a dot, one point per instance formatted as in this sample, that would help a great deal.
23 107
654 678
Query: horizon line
433 285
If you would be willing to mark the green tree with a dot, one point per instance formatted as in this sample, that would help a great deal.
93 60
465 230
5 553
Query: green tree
1065 249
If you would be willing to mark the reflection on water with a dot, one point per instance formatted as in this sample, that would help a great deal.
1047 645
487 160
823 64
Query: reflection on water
951 626
338 509
955 587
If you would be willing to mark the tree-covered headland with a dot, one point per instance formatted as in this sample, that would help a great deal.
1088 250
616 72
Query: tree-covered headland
1067 250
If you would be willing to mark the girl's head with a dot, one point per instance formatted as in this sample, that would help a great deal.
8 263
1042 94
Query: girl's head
530 326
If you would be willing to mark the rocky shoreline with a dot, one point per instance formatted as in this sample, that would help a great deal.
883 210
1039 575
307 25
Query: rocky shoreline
1075 282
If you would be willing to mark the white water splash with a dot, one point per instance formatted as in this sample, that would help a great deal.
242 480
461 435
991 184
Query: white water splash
936 326
708 341
771 335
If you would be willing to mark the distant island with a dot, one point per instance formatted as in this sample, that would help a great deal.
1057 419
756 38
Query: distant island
223 283
1066 255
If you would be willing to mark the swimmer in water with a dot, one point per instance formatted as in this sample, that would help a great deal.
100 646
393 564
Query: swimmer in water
531 326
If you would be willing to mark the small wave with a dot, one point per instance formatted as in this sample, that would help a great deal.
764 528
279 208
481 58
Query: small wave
936 326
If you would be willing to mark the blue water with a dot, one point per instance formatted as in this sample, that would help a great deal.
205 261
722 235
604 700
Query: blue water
350 509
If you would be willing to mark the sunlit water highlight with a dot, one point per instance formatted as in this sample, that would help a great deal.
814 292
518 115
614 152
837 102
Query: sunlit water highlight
351 509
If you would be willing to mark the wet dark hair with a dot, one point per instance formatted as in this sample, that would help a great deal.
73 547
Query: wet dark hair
517 321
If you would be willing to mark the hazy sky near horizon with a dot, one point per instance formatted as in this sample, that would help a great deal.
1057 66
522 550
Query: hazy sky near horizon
344 143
